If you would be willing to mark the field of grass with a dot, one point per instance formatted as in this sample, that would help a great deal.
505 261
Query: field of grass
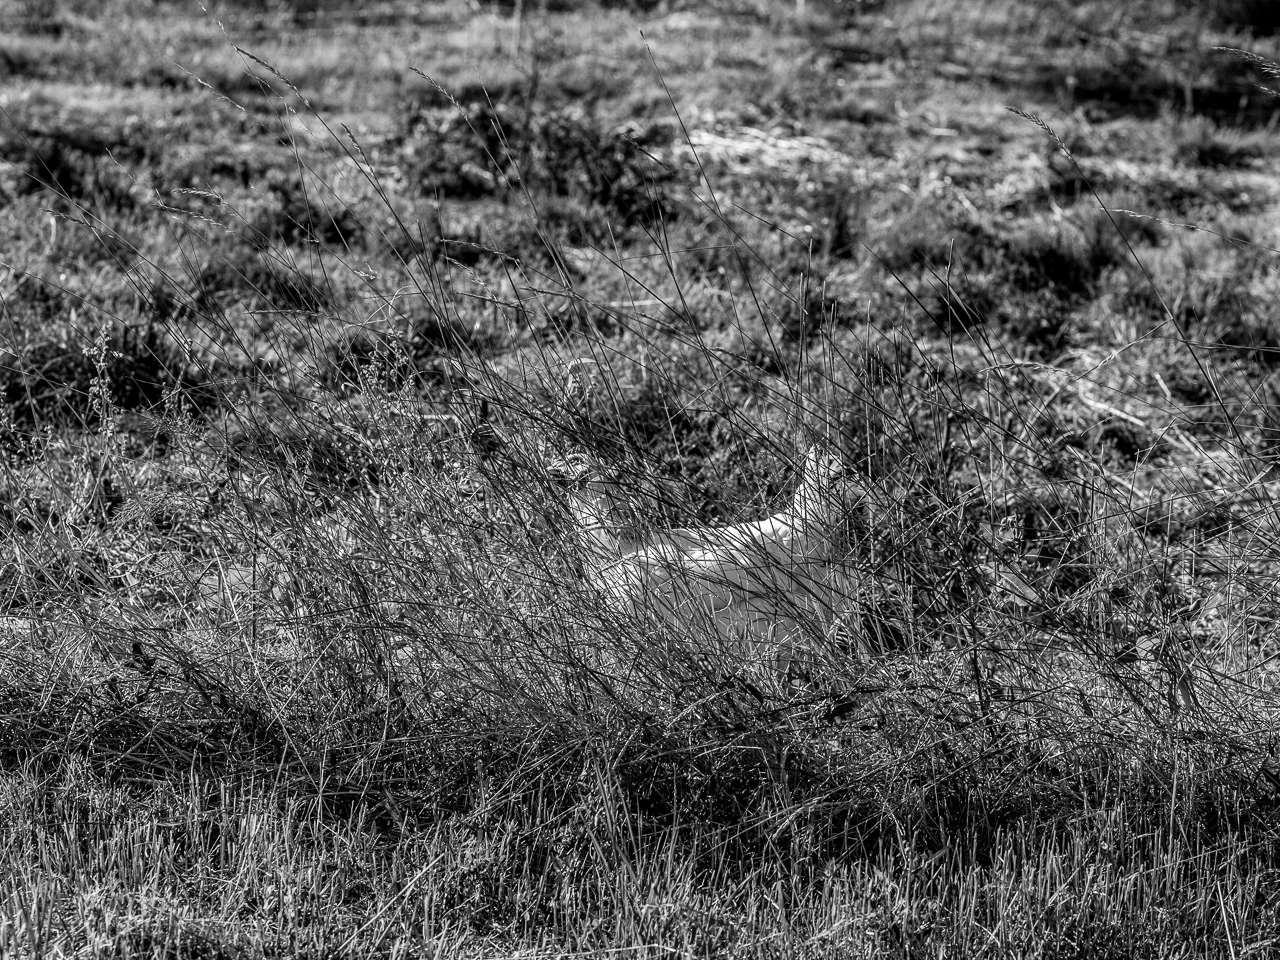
317 319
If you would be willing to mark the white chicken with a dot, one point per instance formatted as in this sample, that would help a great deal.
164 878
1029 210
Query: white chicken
760 587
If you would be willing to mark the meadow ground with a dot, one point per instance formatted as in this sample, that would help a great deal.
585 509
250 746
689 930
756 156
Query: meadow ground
314 317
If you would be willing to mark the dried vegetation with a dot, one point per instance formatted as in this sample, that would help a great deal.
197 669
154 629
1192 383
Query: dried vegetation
312 347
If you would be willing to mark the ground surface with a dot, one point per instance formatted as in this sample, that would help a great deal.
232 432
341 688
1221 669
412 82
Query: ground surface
318 322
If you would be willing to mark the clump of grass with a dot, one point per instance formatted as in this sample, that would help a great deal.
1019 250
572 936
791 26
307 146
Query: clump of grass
1207 144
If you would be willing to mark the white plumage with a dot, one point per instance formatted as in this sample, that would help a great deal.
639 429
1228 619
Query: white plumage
759 586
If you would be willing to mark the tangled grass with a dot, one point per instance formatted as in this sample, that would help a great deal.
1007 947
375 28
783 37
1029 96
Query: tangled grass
303 649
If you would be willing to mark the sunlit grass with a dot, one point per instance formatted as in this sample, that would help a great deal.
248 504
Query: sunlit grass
305 650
